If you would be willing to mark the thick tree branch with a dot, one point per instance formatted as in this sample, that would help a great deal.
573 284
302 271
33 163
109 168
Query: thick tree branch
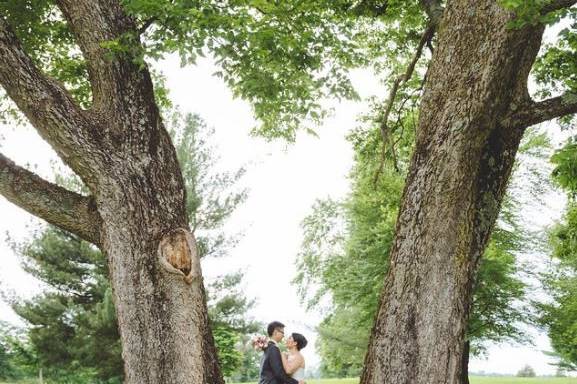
95 23
539 112
44 101
121 83
557 5
59 206
115 76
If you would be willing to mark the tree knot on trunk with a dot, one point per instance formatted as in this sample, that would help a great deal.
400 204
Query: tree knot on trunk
177 254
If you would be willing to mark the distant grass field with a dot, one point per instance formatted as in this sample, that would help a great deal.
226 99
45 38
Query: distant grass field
474 380
519 380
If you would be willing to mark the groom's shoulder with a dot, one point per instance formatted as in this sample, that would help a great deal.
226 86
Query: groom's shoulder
272 344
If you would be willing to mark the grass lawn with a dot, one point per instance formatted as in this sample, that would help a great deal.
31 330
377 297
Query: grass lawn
518 380
20 382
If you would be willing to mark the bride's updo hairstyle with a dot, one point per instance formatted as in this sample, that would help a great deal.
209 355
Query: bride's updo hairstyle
300 340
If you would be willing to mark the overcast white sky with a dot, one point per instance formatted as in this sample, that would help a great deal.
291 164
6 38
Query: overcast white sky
283 180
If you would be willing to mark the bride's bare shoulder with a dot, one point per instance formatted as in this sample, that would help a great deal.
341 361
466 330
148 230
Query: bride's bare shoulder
301 358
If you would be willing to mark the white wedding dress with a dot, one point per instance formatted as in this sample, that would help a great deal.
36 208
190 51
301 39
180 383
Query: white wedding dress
299 374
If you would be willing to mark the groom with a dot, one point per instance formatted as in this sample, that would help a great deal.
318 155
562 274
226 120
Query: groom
271 368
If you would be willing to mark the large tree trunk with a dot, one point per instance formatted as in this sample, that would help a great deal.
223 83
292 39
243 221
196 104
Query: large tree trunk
457 179
136 212
162 316
140 196
158 289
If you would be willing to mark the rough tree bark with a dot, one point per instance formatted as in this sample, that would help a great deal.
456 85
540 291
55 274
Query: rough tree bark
465 363
136 211
474 111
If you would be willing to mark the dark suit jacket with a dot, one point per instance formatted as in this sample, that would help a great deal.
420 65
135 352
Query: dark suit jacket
271 369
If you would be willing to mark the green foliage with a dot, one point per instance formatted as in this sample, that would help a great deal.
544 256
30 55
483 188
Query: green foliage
559 318
560 315
249 368
47 39
284 57
555 70
557 67
65 263
227 310
9 367
228 305
211 197
565 172
345 255
342 343
496 314
530 12
229 356
273 54
6 369
72 327
18 359
564 238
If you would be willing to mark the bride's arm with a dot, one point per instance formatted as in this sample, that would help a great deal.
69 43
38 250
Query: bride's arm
290 367
285 363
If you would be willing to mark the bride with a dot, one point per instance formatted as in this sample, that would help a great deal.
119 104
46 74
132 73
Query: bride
293 361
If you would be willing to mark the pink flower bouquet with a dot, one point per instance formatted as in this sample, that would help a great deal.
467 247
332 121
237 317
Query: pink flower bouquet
259 342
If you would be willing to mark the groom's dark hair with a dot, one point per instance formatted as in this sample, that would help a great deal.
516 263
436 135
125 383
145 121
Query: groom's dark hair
272 326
